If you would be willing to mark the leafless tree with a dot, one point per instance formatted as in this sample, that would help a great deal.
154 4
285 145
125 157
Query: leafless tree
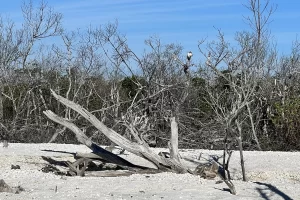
18 44
245 68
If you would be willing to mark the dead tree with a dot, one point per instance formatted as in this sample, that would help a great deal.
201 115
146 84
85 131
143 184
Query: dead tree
18 44
140 148
231 98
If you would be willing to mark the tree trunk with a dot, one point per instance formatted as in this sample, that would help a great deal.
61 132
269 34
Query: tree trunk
239 139
1 102
174 139
253 127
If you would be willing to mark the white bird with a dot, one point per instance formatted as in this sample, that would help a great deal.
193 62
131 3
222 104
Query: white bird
189 55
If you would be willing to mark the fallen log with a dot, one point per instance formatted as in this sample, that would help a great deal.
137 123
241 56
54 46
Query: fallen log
116 173
140 149
104 154
87 164
108 173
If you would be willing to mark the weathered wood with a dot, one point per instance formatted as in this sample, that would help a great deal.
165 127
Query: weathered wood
108 173
239 139
54 162
222 175
141 150
75 167
104 154
109 156
116 173
174 140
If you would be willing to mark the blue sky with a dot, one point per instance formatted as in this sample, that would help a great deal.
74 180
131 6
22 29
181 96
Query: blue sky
180 21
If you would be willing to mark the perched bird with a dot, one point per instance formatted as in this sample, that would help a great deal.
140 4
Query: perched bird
189 55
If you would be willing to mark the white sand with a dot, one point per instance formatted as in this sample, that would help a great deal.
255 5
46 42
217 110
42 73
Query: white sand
272 175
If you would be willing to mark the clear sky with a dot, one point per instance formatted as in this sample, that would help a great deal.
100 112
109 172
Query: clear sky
180 21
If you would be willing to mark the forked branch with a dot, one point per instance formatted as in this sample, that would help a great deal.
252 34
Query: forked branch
141 150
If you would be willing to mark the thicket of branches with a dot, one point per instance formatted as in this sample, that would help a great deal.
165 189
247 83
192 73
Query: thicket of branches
246 93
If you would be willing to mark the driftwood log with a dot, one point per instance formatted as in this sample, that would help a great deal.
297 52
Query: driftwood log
140 149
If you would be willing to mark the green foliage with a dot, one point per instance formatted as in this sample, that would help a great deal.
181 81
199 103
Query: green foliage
198 82
221 83
130 86
287 120
199 96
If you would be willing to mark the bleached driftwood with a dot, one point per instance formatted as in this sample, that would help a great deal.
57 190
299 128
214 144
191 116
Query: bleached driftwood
140 149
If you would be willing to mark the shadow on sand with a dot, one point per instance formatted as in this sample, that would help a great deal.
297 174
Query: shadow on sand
269 187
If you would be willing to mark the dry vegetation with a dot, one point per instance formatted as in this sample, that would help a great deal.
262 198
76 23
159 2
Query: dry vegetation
240 97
